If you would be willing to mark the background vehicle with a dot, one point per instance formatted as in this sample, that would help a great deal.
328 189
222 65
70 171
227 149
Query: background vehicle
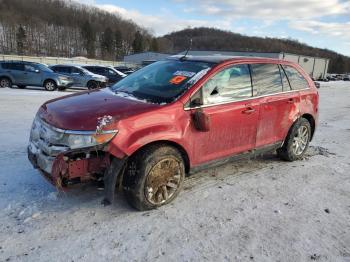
81 76
112 74
124 69
24 74
346 78
171 117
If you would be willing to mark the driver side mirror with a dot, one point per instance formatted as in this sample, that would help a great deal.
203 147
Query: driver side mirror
201 120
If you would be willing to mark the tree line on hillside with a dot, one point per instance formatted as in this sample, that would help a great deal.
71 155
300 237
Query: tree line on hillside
68 29
219 40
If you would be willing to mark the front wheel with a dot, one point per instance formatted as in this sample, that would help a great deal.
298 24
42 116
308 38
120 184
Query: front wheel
154 177
297 141
50 85
92 85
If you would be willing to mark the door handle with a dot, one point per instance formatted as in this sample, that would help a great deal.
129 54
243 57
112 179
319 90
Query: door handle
290 101
248 111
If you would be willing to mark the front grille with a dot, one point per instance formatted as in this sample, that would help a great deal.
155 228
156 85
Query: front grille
45 143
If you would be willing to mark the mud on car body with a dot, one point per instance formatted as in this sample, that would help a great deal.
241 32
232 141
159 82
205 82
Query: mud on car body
151 128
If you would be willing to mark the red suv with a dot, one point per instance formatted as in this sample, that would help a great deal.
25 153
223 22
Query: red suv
149 130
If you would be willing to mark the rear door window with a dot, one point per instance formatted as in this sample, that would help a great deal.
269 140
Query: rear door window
266 79
296 80
61 69
230 84
100 70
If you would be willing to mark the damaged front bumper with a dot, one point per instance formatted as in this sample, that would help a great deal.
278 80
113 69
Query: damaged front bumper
70 167
65 157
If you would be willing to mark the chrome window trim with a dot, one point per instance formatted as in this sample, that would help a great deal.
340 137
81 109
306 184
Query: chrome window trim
246 99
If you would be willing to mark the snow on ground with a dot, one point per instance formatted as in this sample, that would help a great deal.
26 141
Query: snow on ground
254 210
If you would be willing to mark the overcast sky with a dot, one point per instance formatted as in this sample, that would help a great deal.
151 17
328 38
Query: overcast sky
320 23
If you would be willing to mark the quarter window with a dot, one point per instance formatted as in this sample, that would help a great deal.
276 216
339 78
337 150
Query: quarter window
230 84
297 81
266 79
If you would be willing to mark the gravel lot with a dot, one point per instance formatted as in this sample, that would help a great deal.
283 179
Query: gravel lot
254 210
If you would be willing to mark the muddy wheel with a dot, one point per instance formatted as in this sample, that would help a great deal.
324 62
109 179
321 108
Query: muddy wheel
50 85
5 82
92 85
297 141
154 177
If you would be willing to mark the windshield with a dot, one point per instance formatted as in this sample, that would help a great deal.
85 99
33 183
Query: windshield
44 68
163 81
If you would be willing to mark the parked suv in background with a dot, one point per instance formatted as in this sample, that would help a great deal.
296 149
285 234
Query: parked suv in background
112 74
24 74
81 76
173 116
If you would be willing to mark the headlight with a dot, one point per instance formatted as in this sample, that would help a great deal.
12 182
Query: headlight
75 141
72 139
63 78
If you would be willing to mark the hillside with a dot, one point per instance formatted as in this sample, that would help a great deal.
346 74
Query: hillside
66 28
215 39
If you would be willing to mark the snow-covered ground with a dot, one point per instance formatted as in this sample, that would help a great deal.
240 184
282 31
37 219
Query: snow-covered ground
257 210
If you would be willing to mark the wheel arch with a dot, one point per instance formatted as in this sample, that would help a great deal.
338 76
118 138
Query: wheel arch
180 148
8 77
50 79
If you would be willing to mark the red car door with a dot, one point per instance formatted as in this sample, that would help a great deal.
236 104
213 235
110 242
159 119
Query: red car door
278 105
233 113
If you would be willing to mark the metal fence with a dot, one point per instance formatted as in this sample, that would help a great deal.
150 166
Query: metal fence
63 60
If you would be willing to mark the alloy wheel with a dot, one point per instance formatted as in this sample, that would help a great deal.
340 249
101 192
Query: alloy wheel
50 86
163 180
300 140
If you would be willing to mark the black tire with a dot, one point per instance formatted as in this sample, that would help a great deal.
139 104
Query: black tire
5 82
50 85
138 178
289 150
21 86
92 85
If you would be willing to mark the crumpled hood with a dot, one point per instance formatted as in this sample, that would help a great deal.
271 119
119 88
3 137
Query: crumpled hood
82 111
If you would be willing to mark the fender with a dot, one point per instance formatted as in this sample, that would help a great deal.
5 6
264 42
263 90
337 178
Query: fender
9 76
168 124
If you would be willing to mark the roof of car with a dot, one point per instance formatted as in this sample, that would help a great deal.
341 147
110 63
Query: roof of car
217 59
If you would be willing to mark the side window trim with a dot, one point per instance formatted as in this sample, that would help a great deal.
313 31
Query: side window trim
187 106
282 71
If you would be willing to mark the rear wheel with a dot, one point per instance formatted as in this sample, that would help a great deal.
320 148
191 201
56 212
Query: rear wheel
5 82
92 85
50 85
154 177
297 141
